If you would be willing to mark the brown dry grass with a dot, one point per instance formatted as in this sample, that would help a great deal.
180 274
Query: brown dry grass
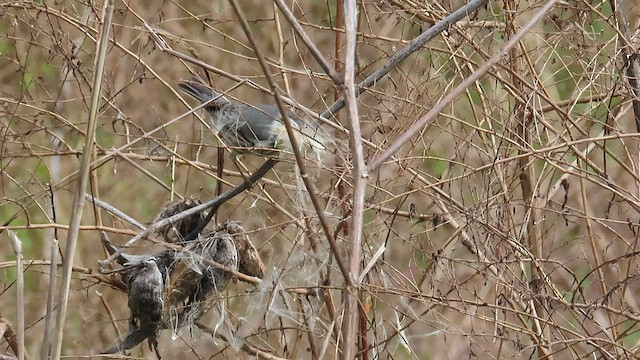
510 224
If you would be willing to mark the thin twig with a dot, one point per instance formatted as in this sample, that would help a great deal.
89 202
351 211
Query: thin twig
53 269
110 314
324 64
115 211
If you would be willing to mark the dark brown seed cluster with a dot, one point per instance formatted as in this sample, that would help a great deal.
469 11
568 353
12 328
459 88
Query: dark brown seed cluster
171 288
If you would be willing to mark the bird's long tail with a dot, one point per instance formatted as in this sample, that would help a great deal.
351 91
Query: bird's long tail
199 91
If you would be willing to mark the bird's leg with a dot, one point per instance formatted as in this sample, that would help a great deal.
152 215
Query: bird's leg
234 158
220 171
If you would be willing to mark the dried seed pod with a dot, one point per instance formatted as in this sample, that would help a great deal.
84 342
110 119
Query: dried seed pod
172 288
249 262
182 283
176 232
194 280
220 248
145 294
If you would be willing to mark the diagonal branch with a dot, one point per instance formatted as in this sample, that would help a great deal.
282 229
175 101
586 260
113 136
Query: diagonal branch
435 111
415 45
83 177
212 204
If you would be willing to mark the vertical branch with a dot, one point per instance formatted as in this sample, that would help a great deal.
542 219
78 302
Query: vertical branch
527 181
349 324
344 206
339 66
83 177
632 74
633 78
53 258
17 249
631 61
296 149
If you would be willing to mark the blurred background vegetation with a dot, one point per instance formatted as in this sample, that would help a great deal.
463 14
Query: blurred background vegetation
510 224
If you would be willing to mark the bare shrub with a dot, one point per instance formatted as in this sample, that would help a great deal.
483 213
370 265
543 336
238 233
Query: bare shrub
505 227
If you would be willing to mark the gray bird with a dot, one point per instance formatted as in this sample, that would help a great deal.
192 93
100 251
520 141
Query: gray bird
256 129
146 288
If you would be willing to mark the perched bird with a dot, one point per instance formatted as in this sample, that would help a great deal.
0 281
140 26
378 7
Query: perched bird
256 129
146 288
